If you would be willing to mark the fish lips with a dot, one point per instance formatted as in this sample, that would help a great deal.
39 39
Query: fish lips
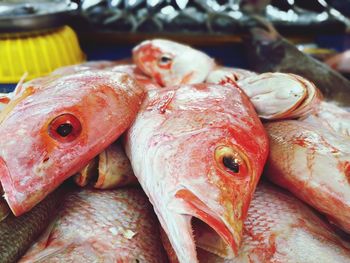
198 209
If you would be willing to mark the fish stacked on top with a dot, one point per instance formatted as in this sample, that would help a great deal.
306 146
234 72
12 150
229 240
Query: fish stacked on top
196 146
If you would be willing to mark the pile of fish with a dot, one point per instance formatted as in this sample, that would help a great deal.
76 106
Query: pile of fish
196 137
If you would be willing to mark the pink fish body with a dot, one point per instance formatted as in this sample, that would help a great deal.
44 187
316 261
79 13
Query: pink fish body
312 162
281 229
333 117
48 134
101 226
198 151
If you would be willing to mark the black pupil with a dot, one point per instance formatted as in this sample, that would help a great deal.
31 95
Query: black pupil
64 129
164 59
231 164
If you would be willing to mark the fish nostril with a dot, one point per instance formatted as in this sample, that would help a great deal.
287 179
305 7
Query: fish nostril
46 159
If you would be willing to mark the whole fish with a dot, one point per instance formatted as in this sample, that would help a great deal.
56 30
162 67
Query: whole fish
101 226
198 152
280 229
312 162
50 133
274 95
18 233
268 51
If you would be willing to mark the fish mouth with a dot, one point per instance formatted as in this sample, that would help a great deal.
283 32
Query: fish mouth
211 232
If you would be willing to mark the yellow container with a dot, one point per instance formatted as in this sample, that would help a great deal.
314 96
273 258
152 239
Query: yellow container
37 53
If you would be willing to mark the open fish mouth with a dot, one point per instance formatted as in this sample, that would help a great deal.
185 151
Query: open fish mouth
203 218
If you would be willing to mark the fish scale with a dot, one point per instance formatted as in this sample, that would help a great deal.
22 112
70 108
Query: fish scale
281 229
94 225
309 159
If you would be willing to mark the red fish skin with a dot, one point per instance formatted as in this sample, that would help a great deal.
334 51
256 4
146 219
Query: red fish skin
32 161
281 229
124 65
101 226
312 162
332 117
173 146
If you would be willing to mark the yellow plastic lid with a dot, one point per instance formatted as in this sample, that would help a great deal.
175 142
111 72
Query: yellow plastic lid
37 54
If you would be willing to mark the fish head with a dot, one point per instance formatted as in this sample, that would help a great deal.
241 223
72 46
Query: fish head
48 134
205 151
171 63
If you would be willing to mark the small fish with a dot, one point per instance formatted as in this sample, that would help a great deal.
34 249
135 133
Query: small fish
198 152
313 162
267 51
280 229
171 63
18 233
101 226
51 132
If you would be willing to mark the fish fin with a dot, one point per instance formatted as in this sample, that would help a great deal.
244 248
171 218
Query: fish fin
19 86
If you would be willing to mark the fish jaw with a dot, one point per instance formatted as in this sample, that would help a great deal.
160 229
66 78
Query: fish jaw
184 65
177 147
36 157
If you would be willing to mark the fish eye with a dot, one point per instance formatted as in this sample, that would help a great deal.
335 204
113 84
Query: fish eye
230 160
164 60
65 128
231 163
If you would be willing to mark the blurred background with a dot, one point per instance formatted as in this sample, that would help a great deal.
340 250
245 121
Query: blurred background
38 36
